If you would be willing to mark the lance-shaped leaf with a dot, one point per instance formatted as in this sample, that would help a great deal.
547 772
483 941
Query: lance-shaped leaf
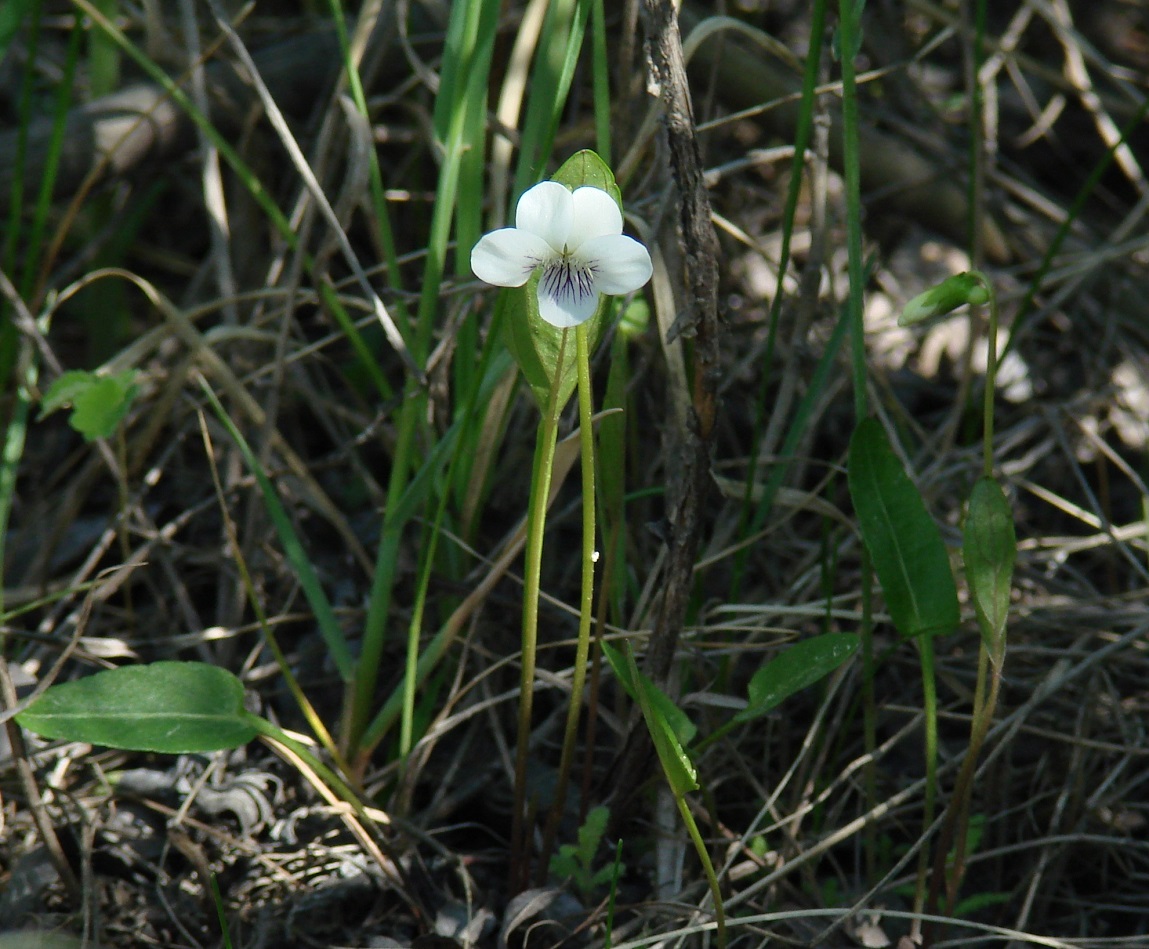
799 666
904 542
989 549
680 724
169 707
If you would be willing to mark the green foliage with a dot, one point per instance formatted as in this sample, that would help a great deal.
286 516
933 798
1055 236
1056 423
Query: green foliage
909 555
99 402
575 862
329 626
536 345
799 666
168 707
12 13
989 549
676 720
948 295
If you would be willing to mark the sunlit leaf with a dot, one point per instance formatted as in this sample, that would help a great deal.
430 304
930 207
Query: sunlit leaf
170 707
99 402
676 763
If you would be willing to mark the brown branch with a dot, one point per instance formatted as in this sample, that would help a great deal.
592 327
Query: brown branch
688 435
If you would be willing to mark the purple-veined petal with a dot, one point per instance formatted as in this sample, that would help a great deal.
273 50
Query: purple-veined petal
595 215
506 257
546 210
567 293
620 263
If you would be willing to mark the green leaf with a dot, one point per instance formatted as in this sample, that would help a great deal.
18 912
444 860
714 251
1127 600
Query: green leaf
12 13
680 724
99 402
533 342
799 666
909 556
676 764
169 707
989 549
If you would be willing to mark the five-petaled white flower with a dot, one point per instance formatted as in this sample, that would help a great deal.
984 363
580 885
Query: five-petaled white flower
576 238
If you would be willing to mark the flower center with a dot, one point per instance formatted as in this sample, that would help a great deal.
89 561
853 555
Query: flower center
567 279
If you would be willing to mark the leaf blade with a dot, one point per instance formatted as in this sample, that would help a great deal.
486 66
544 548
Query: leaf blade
909 556
167 707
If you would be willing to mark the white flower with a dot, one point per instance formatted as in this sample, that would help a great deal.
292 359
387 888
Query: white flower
576 238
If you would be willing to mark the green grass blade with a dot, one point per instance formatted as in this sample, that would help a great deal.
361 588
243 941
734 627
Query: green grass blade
329 626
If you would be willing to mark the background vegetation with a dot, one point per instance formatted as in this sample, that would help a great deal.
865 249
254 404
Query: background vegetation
291 444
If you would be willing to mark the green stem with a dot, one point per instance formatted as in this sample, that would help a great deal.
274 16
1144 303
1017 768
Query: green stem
990 376
536 525
848 11
586 598
929 805
707 867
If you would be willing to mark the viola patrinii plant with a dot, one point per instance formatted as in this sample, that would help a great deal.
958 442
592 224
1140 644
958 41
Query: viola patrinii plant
564 255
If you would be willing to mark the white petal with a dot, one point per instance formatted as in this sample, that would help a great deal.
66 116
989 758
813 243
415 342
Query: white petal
595 215
506 257
546 210
567 293
620 263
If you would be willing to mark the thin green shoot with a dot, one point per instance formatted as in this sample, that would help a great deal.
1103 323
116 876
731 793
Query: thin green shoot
555 59
541 472
255 188
462 91
681 778
849 35
351 50
586 596
319 729
765 404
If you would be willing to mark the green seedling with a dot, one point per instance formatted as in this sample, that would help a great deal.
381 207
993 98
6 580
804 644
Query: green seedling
576 862
99 402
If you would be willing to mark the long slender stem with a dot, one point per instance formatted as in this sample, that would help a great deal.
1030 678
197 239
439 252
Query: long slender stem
990 377
851 166
586 597
532 575
707 867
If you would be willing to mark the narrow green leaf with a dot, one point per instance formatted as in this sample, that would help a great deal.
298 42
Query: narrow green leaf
169 707
329 626
905 544
680 724
533 342
799 666
989 549
676 764
12 13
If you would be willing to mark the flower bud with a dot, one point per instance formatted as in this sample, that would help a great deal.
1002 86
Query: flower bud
946 296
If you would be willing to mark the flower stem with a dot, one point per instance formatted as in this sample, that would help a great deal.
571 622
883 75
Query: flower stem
536 525
990 376
586 598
